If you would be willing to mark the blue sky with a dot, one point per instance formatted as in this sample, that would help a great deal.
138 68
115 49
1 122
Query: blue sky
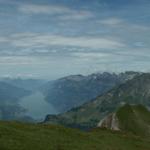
55 38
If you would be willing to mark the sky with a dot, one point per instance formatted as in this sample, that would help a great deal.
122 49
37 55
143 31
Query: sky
54 38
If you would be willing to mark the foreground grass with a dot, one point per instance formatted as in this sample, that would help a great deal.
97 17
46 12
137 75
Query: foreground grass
19 136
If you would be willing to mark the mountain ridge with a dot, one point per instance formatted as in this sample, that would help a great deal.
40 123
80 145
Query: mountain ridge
128 118
72 91
134 91
9 98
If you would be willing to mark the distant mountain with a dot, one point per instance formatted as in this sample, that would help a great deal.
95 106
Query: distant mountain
10 93
9 98
72 91
129 118
33 102
28 84
134 91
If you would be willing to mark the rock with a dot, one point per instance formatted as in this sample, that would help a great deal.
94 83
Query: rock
110 122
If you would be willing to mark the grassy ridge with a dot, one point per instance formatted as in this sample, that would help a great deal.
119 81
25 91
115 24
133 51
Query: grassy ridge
134 119
19 136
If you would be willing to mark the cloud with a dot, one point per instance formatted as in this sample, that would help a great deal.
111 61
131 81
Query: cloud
139 44
111 21
22 60
90 56
3 39
14 60
81 15
34 40
121 23
65 13
43 9
137 27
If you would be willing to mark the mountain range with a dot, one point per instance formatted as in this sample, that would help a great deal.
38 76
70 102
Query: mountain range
119 118
62 94
27 84
133 91
72 91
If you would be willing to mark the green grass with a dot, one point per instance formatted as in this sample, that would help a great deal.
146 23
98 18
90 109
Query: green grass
134 119
19 136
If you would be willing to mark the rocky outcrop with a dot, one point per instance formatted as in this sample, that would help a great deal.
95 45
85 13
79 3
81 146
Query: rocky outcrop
110 122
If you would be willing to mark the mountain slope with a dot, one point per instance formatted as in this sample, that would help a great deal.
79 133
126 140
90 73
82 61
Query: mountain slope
28 84
73 91
135 91
9 93
129 118
9 97
19 136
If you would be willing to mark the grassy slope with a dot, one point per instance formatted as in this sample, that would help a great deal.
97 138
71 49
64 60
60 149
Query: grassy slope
135 119
18 136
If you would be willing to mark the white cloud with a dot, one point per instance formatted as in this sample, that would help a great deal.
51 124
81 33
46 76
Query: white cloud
123 24
22 60
137 27
91 56
3 39
31 40
65 13
43 9
81 15
111 21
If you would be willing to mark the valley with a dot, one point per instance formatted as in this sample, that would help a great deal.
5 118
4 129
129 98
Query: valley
74 74
117 118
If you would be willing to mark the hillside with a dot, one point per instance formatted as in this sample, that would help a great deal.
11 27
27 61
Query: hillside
129 118
28 84
9 97
135 91
73 91
19 136
9 93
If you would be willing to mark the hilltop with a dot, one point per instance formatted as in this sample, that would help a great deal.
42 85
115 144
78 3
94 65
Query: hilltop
129 118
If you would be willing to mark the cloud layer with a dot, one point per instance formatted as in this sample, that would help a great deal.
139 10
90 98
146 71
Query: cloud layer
72 37
31 40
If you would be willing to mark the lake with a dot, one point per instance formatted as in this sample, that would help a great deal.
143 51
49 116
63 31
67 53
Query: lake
36 106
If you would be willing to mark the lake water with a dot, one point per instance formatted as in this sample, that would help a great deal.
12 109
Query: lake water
36 106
